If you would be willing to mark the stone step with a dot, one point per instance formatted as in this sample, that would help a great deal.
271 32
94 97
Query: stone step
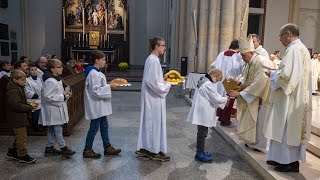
315 128
314 145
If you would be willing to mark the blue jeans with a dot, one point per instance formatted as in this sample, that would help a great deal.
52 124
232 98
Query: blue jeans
55 131
94 127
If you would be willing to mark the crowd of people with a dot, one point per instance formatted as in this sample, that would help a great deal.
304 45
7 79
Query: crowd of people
273 101
35 92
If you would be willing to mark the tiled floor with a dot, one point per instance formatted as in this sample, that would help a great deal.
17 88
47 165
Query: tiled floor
124 124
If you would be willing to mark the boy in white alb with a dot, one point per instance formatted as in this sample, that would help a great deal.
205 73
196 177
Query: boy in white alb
34 85
97 105
203 110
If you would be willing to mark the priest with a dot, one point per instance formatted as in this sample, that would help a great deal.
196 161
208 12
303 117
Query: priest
288 116
253 99
231 65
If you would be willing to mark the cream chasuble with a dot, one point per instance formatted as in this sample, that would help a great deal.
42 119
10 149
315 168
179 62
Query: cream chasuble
290 103
256 84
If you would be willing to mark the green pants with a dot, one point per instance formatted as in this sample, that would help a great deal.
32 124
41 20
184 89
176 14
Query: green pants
20 141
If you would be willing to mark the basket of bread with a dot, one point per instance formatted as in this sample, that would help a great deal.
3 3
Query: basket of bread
173 77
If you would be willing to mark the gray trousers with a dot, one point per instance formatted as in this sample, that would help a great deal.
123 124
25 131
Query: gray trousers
201 137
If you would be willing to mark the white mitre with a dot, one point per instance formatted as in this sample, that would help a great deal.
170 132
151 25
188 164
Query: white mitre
246 44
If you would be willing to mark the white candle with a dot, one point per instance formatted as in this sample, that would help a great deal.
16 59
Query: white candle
79 40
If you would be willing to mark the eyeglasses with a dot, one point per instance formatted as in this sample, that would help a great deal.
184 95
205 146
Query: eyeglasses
162 45
280 35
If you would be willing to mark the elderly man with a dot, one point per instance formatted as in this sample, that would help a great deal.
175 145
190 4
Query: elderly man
259 49
288 117
41 65
231 65
252 100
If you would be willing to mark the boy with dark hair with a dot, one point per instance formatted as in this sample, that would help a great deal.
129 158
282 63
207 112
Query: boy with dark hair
97 105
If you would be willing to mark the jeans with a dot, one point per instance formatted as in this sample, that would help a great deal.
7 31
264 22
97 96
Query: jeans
201 137
101 122
55 131
20 141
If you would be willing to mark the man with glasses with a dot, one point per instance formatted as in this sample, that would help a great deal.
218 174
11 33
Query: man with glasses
288 116
253 99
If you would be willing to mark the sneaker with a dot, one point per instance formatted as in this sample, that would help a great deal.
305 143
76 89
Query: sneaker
51 151
89 153
207 154
12 154
67 152
164 156
201 156
27 159
158 157
109 150
142 153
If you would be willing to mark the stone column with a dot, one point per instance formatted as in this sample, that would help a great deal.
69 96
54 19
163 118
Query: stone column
184 16
25 27
202 36
174 46
213 32
294 11
244 18
190 40
237 19
227 23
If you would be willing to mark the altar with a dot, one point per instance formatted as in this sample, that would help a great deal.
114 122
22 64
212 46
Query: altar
95 25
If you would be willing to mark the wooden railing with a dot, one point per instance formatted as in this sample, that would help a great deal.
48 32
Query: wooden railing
75 106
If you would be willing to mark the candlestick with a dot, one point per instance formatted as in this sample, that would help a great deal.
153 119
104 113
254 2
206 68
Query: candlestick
104 41
87 39
101 41
79 40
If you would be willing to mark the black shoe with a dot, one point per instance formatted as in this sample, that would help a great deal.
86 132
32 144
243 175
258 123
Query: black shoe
292 167
12 154
158 157
224 123
164 156
27 159
143 153
274 163
67 152
252 148
51 151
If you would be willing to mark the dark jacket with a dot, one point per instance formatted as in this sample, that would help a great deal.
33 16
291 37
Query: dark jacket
18 110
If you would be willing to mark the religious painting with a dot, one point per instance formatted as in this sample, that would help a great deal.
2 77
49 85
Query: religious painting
116 11
95 11
73 11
